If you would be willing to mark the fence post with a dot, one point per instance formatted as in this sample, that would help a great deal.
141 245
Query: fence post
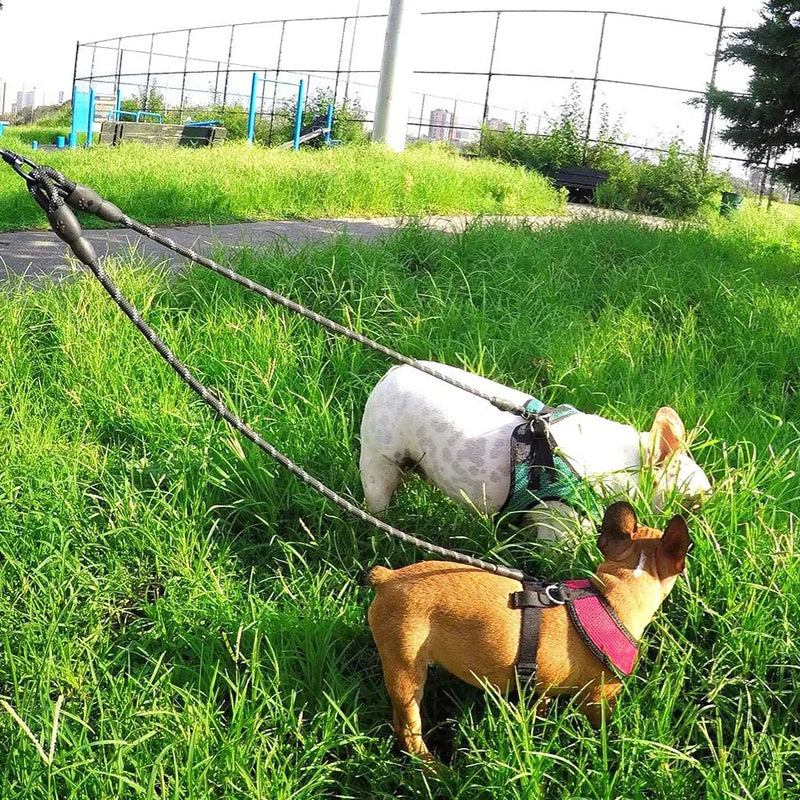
491 67
119 64
251 117
705 140
149 65
339 62
73 134
275 86
263 87
594 85
185 69
772 181
228 67
298 117
764 178
91 68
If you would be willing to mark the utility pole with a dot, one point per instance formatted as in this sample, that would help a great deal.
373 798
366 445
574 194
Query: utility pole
394 87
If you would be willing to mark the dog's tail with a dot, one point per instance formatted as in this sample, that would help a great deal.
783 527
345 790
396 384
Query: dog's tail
375 576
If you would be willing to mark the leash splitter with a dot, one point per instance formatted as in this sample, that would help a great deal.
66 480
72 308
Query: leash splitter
57 196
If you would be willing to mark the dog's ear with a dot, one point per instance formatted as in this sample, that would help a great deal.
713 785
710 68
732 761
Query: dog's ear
619 524
672 548
666 436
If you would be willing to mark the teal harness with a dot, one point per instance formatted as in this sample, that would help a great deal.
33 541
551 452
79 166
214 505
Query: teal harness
539 473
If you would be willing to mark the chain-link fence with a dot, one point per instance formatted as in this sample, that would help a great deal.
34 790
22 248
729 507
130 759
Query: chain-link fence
633 72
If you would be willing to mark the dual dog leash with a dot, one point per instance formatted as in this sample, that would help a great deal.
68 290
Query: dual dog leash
57 196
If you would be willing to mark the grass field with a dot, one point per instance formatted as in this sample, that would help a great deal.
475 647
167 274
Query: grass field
237 182
196 608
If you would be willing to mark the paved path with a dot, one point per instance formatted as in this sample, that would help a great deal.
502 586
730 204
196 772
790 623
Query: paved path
38 253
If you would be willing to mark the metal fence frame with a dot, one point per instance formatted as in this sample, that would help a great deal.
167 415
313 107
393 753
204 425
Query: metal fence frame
340 78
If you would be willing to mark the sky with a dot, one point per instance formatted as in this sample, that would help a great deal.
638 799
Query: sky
39 51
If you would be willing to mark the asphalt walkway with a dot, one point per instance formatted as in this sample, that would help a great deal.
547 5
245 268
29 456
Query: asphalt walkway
34 254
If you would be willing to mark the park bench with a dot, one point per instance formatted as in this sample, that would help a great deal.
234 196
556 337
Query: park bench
114 132
580 182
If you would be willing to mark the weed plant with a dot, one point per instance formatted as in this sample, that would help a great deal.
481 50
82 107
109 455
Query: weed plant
236 182
196 608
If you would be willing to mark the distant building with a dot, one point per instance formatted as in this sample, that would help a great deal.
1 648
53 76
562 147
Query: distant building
497 124
26 99
440 122
61 97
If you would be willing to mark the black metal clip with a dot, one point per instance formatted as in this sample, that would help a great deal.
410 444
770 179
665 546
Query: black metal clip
17 162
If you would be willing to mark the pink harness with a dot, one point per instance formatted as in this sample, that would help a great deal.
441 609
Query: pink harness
599 627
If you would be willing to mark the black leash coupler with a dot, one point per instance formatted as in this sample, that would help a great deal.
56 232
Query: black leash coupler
57 196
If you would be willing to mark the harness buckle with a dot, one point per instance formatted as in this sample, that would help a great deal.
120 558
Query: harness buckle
555 594
526 673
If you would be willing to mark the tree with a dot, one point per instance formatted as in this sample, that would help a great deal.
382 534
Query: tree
145 99
765 122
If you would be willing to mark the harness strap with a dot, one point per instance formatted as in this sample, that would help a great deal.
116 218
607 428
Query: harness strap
598 626
539 473
531 601
601 630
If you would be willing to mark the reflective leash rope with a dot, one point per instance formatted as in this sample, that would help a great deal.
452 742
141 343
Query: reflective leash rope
83 198
49 195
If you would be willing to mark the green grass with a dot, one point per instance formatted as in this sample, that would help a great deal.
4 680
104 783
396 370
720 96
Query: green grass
195 605
237 182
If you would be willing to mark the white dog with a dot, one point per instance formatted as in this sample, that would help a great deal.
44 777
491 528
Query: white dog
462 444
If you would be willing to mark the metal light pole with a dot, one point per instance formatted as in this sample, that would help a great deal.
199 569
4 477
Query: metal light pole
394 87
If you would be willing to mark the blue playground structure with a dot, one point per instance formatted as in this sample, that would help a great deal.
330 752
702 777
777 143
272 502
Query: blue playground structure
90 109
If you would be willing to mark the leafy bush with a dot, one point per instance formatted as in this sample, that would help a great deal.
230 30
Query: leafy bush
676 185
348 118
563 145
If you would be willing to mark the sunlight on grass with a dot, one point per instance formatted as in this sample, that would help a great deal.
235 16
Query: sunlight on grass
196 606
237 182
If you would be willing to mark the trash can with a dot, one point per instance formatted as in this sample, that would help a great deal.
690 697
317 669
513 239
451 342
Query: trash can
61 142
730 202
3 127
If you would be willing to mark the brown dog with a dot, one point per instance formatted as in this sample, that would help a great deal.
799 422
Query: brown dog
461 618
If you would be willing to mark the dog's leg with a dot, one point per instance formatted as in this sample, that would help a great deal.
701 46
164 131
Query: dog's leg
598 700
405 669
405 684
380 477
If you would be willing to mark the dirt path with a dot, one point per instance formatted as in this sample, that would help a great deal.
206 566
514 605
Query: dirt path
34 254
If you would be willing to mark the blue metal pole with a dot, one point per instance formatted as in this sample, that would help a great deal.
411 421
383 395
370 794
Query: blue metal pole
329 124
73 134
251 117
298 117
90 126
